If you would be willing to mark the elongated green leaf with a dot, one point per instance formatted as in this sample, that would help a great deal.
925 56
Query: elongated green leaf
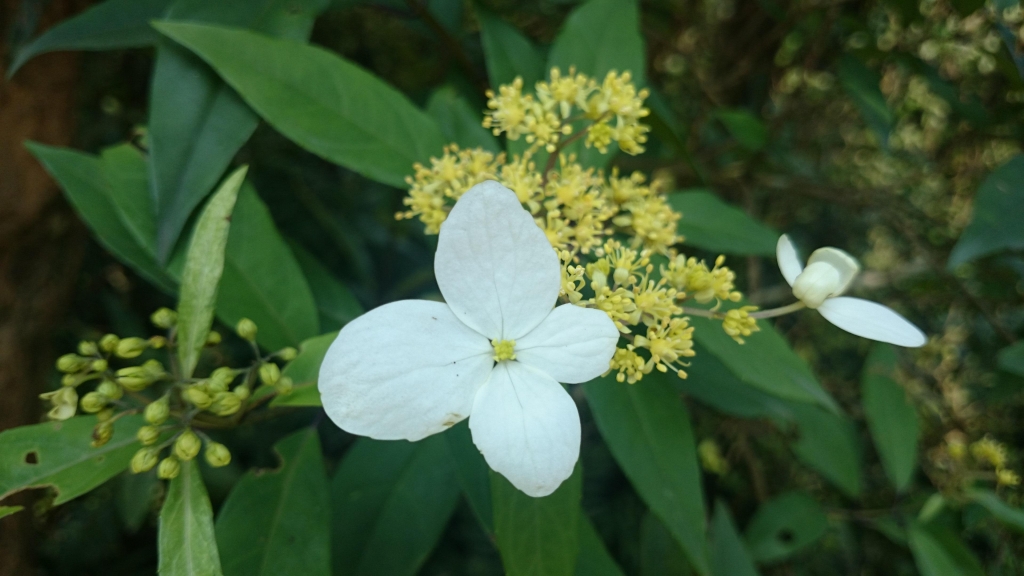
391 501
106 26
998 212
324 103
83 179
537 536
134 500
594 559
713 384
473 473
196 122
647 428
458 121
765 362
746 128
940 553
660 553
891 417
305 371
58 454
203 268
186 543
124 168
711 224
1011 359
729 555
262 281
507 52
828 443
784 525
1000 510
8 510
278 522
862 85
334 301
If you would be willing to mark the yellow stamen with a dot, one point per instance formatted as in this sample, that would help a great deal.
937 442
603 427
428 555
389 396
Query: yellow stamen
504 350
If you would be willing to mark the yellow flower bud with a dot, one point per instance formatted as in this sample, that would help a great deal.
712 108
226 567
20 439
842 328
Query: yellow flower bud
157 411
136 378
102 434
288 354
148 435
187 445
110 390
99 365
284 385
225 403
64 401
105 414
213 338
157 342
198 396
144 460
131 347
169 468
270 373
93 402
246 329
217 454
220 379
72 363
109 343
88 348
164 318
72 380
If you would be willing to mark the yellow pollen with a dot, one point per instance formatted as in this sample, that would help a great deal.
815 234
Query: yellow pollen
504 350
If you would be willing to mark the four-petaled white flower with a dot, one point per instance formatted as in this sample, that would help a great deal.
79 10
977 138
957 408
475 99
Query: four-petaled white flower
494 352
829 273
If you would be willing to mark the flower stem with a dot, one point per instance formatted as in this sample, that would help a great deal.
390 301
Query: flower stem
773 312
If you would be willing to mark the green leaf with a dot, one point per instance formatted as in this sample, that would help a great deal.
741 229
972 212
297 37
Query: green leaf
939 553
765 362
746 128
473 473
828 443
196 122
660 554
262 281
59 455
998 212
124 168
892 418
1011 359
391 502
1001 511
304 371
186 542
784 525
537 536
729 555
862 86
711 224
83 178
278 521
203 268
458 121
335 303
593 558
8 510
324 103
134 500
507 52
108 25
647 428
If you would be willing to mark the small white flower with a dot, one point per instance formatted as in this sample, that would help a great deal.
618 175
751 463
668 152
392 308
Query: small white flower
494 352
829 273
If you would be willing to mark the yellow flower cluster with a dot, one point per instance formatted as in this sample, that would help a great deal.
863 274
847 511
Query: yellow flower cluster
608 112
606 229
986 453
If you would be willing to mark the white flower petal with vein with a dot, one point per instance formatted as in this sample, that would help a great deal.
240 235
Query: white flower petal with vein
828 274
494 352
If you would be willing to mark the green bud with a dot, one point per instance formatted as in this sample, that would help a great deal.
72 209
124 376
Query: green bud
242 391
109 343
99 365
136 378
93 402
270 373
284 385
72 363
105 414
88 348
110 390
288 354
187 445
148 435
64 401
220 379
157 411
157 342
102 433
246 329
169 468
144 460
72 380
213 338
225 404
198 396
164 318
217 454
131 347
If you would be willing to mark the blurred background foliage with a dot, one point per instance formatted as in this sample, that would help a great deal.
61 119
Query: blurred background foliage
889 128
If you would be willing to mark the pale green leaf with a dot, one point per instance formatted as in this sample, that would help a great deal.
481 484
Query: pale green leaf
8 510
998 213
892 418
785 525
711 224
508 53
186 542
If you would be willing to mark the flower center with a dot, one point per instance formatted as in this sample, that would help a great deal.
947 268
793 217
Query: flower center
817 282
504 350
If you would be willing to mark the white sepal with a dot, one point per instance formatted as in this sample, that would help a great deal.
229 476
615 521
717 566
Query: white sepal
572 345
872 320
789 262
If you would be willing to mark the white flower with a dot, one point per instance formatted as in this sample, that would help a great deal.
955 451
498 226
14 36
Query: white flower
495 352
829 273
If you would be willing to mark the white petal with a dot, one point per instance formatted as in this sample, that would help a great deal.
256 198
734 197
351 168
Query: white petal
571 345
527 427
871 320
405 370
495 267
789 262
846 265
